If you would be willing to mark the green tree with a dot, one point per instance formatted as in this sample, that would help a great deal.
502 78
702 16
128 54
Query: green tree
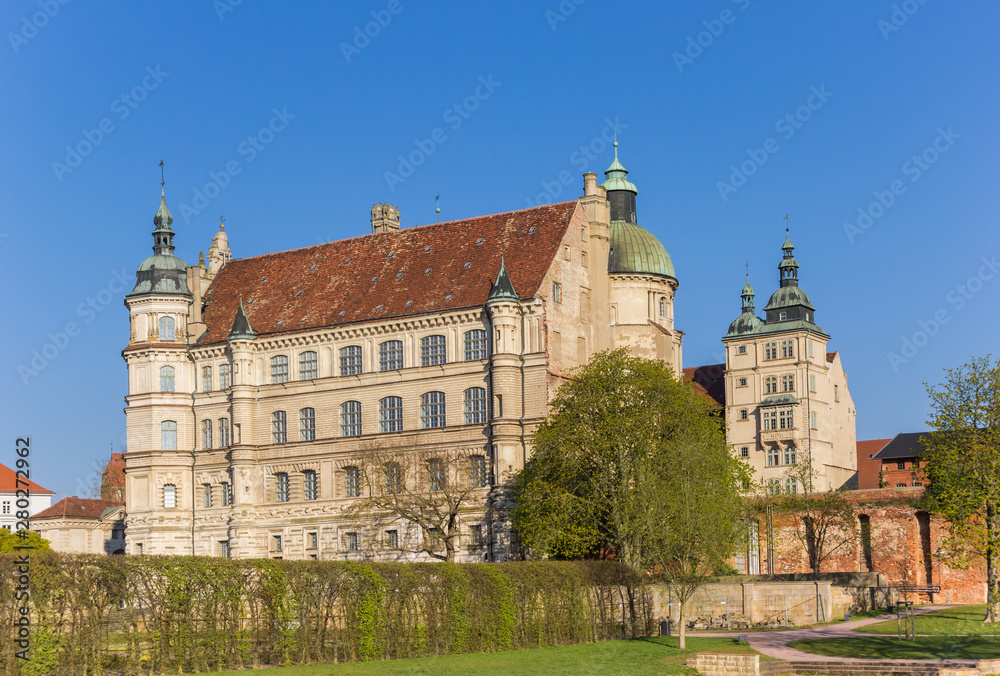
631 462
12 542
963 465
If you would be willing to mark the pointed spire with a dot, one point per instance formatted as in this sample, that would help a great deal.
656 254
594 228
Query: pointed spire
241 325
616 176
788 269
163 235
503 288
747 296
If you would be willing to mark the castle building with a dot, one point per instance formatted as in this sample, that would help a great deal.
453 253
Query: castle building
785 397
257 385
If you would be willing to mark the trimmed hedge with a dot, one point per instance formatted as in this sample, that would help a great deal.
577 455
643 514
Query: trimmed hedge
158 614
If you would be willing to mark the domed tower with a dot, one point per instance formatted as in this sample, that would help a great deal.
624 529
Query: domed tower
748 322
789 303
159 426
642 278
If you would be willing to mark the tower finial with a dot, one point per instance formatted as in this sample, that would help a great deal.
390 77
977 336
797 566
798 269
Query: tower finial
437 207
161 179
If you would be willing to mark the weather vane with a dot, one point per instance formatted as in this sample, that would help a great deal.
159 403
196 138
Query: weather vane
161 173
437 207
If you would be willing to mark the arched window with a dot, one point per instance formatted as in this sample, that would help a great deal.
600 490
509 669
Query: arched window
166 328
281 489
390 355
279 369
168 435
390 414
279 427
169 496
350 360
307 424
432 410
223 432
350 419
166 379
432 350
308 366
475 345
393 479
206 433
310 485
225 381
663 307
475 405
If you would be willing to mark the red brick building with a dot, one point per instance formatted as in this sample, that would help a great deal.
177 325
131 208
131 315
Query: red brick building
896 463
868 466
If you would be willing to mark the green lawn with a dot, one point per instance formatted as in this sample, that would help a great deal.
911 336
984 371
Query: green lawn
891 648
657 655
957 621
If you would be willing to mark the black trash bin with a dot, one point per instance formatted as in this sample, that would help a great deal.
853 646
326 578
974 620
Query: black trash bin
665 628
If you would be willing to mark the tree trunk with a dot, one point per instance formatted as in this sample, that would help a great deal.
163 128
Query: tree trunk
681 631
992 586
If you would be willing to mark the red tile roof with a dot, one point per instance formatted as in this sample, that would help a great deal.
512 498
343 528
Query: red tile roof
709 381
9 483
87 508
871 447
413 271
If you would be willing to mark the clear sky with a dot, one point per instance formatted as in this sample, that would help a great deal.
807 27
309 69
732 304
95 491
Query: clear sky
730 115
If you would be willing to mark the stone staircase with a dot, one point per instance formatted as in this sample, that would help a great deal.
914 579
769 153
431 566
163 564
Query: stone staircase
871 667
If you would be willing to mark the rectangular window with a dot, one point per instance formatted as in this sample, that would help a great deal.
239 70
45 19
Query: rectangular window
350 419
742 349
276 543
741 382
900 485
390 414
476 535
770 351
769 419
206 489
307 424
312 540
836 393
308 366
227 494
352 482
350 360
352 542
475 345
168 435
169 496
475 406
225 380
206 379
744 414
279 369
901 464
787 349
744 451
223 432
392 539
583 258
279 427
771 385
310 485
566 254
786 419
812 420
206 433
782 316
138 548
281 487
432 350
556 292
787 383
435 471
6 507
791 486
809 345
390 355
224 548
790 455
432 412
812 383
773 457
477 471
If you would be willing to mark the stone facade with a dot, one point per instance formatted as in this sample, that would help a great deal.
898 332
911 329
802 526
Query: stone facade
251 401
83 526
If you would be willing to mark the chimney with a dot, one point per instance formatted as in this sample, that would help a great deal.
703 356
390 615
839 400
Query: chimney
385 217
589 184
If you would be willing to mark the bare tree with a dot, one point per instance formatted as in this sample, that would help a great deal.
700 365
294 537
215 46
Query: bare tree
430 492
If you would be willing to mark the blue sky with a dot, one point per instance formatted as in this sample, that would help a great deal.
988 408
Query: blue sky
700 94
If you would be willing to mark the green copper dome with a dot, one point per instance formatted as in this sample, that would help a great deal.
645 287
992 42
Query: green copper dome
163 273
636 250
616 176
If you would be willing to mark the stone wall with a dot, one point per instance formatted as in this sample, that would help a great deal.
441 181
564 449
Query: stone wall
711 664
